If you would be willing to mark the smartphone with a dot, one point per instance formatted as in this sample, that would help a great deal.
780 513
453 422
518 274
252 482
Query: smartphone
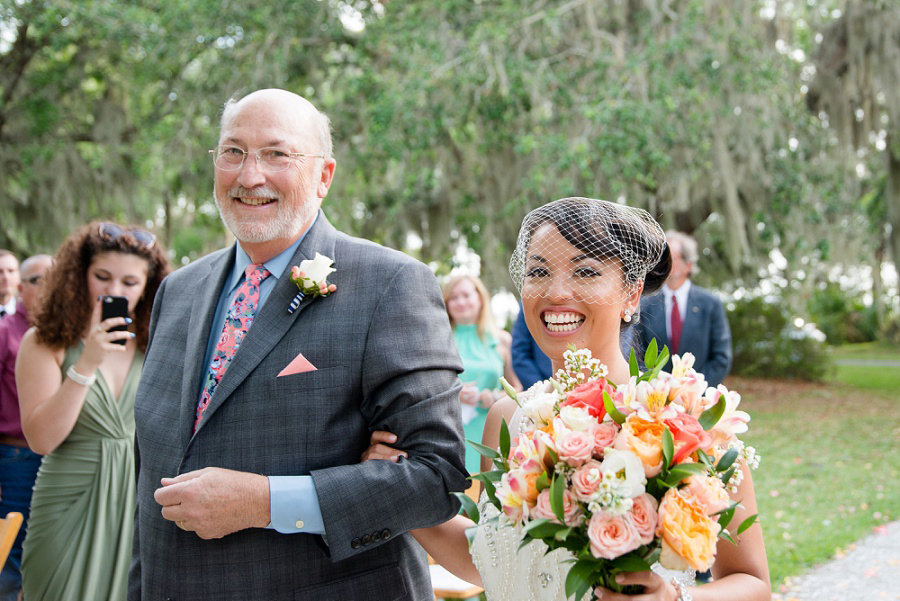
115 306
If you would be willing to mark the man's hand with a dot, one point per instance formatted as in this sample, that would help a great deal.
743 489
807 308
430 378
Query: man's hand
214 502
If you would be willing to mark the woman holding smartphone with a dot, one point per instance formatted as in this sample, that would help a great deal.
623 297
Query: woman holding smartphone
77 376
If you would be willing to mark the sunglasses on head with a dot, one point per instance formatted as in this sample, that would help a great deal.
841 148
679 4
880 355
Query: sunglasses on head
111 231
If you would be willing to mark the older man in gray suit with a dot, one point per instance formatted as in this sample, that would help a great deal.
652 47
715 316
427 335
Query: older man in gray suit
249 438
686 317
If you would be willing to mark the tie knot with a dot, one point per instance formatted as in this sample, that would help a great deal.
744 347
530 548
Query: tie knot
256 273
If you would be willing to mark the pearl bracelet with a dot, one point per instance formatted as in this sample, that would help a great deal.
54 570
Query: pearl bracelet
78 378
683 594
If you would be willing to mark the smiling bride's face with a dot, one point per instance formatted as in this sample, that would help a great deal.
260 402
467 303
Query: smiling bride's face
573 297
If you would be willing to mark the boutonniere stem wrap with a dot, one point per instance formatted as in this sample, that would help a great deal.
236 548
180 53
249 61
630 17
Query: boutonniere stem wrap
311 277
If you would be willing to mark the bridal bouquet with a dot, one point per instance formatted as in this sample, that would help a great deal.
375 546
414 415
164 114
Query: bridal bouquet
622 476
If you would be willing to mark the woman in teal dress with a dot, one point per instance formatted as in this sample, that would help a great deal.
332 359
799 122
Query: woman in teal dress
77 377
485 352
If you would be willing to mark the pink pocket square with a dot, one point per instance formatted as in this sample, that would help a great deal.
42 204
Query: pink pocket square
299 365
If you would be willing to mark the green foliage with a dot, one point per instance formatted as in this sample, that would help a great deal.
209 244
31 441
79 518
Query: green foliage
840 317
766 344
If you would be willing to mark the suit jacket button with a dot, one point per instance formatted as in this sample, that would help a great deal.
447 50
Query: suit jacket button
355 543
366 539
385 534
376 536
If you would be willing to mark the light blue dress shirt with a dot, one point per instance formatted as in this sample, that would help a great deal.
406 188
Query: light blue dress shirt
294 506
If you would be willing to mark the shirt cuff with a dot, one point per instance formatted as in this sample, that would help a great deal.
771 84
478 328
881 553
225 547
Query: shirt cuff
294 505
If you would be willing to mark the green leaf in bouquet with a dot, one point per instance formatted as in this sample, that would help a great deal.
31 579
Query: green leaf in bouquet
611 410
554 457
484 450
668 449
663 357
726 515
727 460
543 528
682 471
509 390
651 354
470 507
562 534
725 477
711 416
633 367
579 580
725 534
489 488
504 439
557 488
630 562
747 523
543 482
705 459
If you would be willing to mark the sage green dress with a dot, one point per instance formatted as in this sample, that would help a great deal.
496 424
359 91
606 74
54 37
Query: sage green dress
78 545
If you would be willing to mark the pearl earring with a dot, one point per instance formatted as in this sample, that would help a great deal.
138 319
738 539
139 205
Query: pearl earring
627 317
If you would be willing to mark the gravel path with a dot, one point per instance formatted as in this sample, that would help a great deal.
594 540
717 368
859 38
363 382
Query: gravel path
868 571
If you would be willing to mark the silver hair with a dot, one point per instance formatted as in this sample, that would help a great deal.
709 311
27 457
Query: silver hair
688 248
322 125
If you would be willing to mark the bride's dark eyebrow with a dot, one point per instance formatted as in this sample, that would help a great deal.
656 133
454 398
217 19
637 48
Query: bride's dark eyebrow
538 258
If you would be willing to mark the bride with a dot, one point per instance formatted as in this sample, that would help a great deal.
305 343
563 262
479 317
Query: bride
581 266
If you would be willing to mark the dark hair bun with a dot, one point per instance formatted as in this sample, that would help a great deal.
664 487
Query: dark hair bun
659 273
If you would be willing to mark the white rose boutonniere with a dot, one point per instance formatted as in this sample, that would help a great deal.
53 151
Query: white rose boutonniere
311 277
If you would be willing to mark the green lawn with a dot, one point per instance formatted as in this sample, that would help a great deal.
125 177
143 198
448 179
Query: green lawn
867 350
830 471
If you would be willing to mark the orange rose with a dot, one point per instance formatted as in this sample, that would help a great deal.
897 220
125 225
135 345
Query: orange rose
590 396
688 535
709 491
689 435
644 439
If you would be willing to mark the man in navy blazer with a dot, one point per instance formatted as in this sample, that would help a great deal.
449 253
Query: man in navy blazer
704 329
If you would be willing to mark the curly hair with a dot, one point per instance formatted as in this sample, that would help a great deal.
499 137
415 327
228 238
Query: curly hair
64 309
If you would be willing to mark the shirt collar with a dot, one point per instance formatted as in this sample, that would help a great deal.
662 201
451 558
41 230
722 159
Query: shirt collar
681 293
276 265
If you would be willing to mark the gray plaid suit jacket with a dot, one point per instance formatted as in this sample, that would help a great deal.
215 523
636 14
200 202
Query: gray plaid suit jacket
386 360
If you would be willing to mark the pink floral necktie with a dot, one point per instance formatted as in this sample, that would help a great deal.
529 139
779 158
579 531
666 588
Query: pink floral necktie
237 321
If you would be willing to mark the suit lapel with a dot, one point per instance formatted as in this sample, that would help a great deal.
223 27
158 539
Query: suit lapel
202 312
273 320
658 321
689 321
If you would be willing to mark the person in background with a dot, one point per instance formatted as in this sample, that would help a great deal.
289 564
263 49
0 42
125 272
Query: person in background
686 317
9 282
529 361
76 389
485 352
18 463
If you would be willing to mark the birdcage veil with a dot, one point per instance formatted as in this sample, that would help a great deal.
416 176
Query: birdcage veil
587 243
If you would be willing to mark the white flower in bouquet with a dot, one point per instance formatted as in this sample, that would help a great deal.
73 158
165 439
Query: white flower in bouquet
540 408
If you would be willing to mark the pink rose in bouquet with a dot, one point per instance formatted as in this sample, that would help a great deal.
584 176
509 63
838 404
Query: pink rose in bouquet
611 535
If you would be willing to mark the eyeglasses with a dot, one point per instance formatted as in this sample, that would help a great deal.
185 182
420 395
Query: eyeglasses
231 158
35 279
111 231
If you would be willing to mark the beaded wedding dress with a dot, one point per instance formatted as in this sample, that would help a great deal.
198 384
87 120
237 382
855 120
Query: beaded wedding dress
529 573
